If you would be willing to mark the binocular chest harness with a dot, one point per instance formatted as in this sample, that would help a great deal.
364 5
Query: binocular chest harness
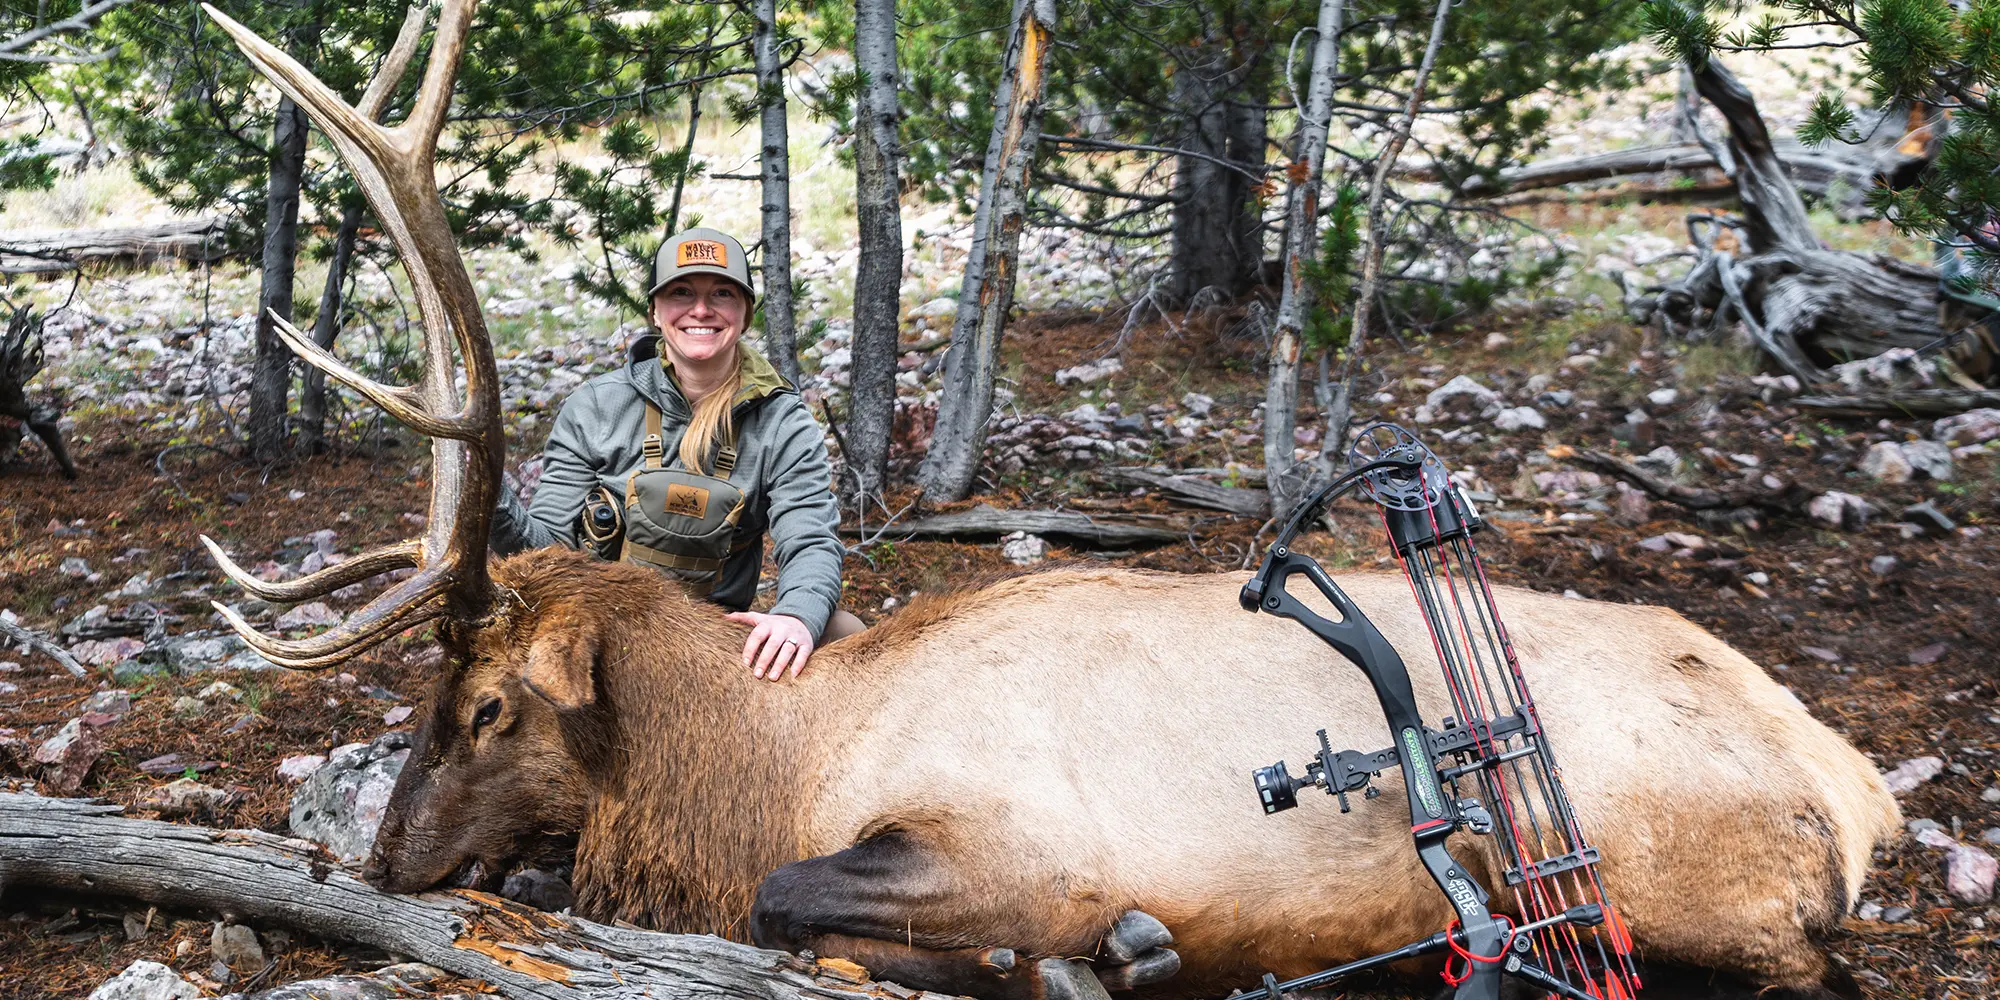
1569 941
678 521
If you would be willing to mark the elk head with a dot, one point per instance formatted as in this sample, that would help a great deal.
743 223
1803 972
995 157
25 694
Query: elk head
475 710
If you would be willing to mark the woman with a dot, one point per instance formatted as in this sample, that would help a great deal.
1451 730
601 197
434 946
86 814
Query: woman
686 457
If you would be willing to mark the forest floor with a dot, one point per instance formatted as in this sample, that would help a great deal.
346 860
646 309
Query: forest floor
1877 631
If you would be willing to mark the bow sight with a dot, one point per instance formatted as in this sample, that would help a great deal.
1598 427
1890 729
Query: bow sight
1487 769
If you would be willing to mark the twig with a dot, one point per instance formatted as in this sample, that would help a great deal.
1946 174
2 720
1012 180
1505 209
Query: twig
39 641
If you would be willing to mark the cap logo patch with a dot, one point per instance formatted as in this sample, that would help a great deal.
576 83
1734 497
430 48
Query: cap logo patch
707 252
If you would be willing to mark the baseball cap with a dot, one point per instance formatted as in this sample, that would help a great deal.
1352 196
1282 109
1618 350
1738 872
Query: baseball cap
701 251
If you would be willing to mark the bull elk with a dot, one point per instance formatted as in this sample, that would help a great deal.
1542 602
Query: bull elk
1023 791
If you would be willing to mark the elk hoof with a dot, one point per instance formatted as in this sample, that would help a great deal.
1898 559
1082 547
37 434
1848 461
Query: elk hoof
1155 965
1067 979
1135 933
999 960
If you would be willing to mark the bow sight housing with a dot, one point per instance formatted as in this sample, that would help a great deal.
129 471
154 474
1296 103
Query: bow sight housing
1486 768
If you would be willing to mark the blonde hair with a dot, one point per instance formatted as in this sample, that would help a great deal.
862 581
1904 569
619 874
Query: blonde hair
712 422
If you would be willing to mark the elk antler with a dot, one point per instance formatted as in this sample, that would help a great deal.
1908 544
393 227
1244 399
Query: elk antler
393 167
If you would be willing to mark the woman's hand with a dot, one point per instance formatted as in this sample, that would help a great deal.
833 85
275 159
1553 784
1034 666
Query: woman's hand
777 643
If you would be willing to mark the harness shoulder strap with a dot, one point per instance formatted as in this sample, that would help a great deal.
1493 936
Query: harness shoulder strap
655 451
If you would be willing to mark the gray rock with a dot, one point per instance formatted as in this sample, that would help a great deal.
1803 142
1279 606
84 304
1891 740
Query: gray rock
1885 461
1970 427
539 889
235 946
220 689
1663 397
298 768
1991 794
309 615
1917 826
1661 461
75 566
1969 874
341 805
1990 835
1462 394
1896 914
1868 911
1023 549
1882 565
1929 458
116 701
195 652
185 705
1841 510
1927 517
143 980
393 982
1911 774
1519 418
185 797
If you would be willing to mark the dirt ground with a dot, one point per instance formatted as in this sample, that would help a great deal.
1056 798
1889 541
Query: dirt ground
1895 660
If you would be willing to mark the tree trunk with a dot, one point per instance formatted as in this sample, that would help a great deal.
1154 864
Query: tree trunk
271 372
1249 143
326 327
326 323
1371 238
1202 221
878 276
77 846
775 160
1771 205
987 291
1281 393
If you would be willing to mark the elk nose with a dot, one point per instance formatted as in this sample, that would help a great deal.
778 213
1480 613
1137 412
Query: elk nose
376 870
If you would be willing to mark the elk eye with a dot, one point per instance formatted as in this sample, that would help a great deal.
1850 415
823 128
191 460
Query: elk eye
484 717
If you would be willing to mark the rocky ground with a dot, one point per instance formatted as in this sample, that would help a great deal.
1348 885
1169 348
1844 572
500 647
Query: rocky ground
1865 596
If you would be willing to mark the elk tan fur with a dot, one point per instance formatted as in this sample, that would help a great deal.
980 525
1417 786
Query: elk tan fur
1075 744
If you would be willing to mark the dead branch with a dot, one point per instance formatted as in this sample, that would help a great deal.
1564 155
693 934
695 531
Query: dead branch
987 521
1905 402
1199 492
1784 500
79 846
39 641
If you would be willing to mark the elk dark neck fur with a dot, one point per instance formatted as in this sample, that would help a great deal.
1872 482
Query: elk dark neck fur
682 825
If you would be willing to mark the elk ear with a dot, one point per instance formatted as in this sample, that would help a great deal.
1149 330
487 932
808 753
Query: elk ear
562 668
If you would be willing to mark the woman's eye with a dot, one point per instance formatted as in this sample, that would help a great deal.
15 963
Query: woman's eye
485 715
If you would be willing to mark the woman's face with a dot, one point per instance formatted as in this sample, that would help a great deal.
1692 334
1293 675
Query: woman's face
700 316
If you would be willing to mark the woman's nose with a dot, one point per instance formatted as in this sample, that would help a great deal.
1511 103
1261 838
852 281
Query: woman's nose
700 307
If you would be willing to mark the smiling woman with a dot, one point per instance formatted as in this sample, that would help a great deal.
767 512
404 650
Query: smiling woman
747 458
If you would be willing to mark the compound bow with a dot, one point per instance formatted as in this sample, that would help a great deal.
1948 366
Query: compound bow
1568 941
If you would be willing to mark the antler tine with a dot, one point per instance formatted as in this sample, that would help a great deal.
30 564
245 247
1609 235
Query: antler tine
396 63
401 555
411 602
401 403
394 168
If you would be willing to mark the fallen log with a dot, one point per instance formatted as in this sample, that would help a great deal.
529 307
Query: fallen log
1783 500
1905 402
987 521
79 846
1199 492
1811 170
43 252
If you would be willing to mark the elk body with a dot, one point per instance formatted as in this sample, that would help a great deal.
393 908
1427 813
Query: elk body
1022 772
1019 766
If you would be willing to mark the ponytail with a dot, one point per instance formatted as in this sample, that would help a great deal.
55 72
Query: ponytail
712 420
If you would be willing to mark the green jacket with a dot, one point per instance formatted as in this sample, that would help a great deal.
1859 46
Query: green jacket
781 465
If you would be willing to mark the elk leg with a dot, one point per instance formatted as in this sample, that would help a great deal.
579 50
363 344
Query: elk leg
895 907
